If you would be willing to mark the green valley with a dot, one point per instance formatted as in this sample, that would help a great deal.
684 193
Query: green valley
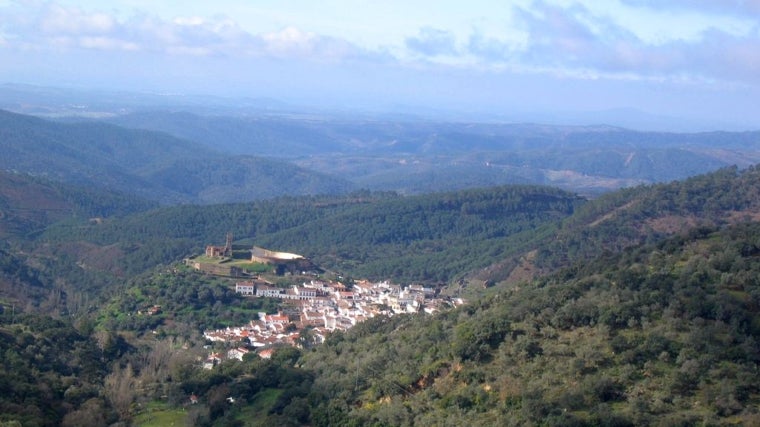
636 308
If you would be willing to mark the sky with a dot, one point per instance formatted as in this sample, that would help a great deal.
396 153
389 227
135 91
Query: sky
691 59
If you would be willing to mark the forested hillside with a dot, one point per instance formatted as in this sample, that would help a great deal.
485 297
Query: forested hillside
662 334
182 157
29 204
52 375
636 308
486 236
39 278
152 165
421 156
431 238
636 216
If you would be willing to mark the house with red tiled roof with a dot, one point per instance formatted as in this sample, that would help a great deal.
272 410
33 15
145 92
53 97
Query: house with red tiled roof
270 319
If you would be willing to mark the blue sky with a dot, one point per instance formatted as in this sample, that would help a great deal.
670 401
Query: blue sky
698 59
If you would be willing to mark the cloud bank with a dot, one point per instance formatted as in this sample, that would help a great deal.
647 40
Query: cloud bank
712 45
571 40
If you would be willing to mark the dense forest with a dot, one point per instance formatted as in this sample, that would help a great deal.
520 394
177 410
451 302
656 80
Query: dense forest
638 215
636 308
663 334
429 238
481 236
181 157
150 165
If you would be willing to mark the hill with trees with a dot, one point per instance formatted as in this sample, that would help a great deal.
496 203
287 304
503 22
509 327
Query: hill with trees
37 278
663 332
430 238
660 334
636 308
637 216
30 204
151 165
421 156
484 236
175 156
52 374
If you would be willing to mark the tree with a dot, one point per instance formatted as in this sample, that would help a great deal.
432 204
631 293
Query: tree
119 389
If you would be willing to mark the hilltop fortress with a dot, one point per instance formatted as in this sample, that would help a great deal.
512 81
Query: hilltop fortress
232 261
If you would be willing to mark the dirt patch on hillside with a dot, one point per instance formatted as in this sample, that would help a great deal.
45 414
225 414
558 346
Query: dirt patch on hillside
525 269
672 224
735 217
103 258
612 214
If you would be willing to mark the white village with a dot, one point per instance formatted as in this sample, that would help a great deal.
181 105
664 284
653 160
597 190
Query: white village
311 310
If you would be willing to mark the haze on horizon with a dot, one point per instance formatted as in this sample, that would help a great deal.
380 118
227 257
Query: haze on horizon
696 60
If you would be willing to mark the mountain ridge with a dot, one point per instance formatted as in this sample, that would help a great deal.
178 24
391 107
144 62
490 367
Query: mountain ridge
152 165
642 309
638 216
426 155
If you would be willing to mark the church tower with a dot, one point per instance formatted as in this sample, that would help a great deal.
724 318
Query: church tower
228 246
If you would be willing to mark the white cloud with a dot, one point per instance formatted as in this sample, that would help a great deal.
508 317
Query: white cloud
723 7
576 41
432 42
289 40
106 43
563 38
59 20
189 20
51 26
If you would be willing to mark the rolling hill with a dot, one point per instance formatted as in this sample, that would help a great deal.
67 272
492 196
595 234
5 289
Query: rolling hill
431 238
646 313
636 308
662 334
484 236
423 156
30 204
637 216
148 164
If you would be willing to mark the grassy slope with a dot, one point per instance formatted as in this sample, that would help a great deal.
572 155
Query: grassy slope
158 415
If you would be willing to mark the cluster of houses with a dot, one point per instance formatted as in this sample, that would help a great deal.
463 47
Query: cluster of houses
321 307
269 330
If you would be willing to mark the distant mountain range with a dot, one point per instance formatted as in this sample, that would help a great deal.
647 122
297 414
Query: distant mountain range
340 151
94 103
639 307
417 156
152 165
